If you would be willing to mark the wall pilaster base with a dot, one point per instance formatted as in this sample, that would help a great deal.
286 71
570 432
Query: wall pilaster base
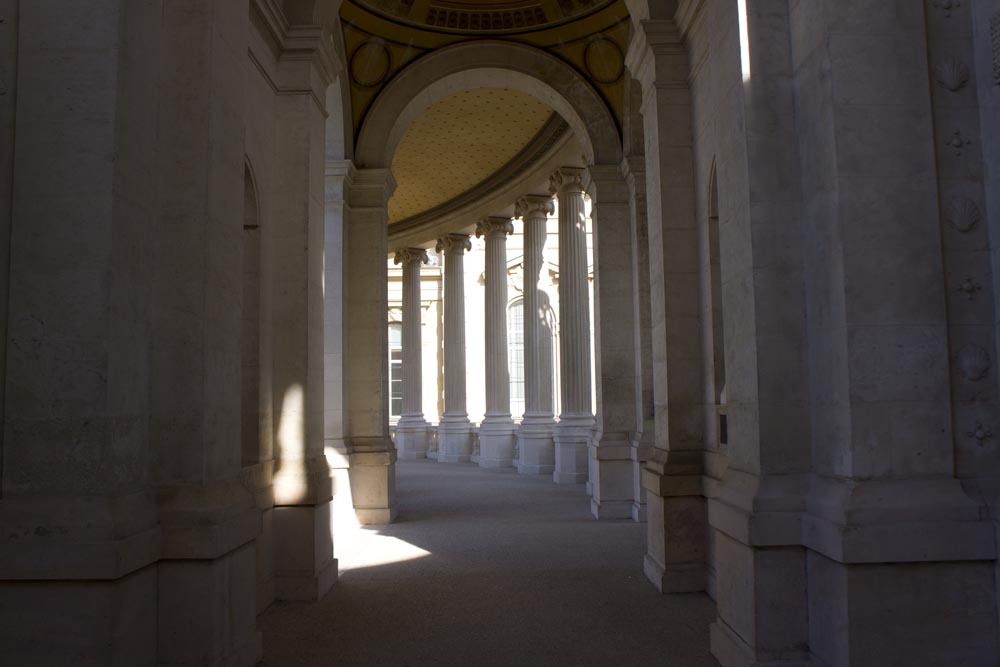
611 482
373 486
676 528
197 599
305 568
572 437
731 651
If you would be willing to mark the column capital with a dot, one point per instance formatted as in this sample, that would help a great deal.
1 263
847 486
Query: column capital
567 179
453 243
493 226
407 255
534 205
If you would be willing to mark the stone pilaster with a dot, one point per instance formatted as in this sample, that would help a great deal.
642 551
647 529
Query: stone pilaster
634 170
616 314
372 456
573 432
411 430
676 512
536 451
496 433
454 433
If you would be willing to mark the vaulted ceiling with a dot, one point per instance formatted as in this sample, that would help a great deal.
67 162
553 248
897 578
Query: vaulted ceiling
465 141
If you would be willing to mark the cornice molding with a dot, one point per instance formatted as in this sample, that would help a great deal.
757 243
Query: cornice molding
312 44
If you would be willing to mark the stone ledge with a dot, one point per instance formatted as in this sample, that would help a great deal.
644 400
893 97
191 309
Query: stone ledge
45 559
858 522
206 522
90 538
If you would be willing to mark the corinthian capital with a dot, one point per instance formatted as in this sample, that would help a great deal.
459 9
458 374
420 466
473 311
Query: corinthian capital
453 243
494 226
534 205
407 255
567 179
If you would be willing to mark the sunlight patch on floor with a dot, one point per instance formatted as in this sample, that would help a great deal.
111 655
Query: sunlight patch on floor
363 547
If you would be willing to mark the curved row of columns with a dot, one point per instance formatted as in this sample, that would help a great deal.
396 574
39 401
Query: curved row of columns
543 445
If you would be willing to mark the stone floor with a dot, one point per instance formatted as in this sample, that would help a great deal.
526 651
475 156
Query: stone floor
490 568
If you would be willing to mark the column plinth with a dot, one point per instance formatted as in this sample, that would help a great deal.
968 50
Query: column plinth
573 432
536 452
454 429
496 433
411 430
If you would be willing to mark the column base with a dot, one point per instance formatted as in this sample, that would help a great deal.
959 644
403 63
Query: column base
411 438
79 622
611 480
454 440
731 651
611 509
640 454
195 595
305 568
373 486
676 531
572 436
536 450
496 443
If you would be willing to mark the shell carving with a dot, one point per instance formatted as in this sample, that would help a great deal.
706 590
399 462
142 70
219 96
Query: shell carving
973 362
951 73
963 214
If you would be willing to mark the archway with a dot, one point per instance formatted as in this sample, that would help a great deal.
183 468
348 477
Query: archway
442 73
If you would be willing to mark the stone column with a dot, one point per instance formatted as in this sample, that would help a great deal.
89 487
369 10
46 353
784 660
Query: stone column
454 430
573 432
496 433
411 431
534 436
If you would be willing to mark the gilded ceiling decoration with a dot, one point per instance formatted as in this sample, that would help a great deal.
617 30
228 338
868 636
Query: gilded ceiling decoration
464 143
382 37
459 142
482 16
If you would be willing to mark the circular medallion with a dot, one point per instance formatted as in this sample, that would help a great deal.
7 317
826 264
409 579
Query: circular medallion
370 63
604 60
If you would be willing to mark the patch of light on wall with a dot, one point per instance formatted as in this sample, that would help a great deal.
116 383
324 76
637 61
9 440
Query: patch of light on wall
744 39
291 424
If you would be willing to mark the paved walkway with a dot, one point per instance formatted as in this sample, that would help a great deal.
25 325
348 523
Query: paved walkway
490 568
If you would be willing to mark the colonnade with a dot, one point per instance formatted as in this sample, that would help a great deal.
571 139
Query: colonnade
541 444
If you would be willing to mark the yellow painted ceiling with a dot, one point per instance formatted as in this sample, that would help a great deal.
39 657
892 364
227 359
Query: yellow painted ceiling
459 142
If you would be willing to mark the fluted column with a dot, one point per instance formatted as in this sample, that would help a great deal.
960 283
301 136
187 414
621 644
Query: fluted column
411 431
496 433
573 432
454 432
534 436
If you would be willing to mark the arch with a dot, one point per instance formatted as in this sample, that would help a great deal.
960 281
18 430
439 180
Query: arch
484 64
